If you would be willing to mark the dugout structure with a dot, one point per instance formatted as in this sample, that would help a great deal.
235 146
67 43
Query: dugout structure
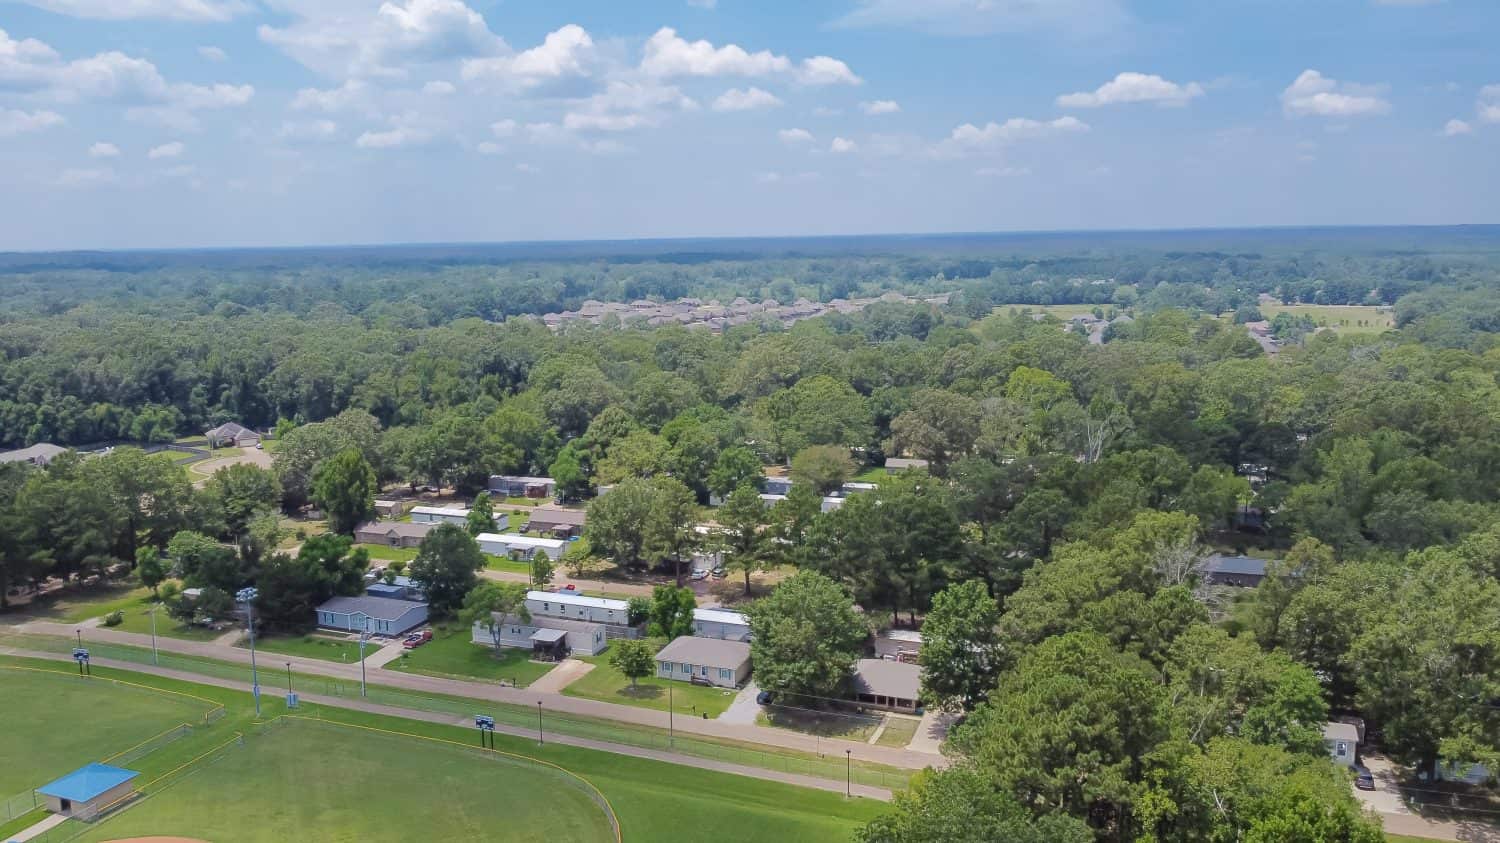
86 792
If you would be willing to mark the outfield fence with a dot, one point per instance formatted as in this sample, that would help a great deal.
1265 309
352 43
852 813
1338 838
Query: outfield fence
21 803
510 719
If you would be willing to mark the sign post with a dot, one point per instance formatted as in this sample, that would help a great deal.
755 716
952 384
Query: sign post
81 656
486 725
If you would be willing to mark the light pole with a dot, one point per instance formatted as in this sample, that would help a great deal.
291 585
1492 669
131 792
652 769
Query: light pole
289 679
539 740
671 732
246 596
363 637
154 607
848 773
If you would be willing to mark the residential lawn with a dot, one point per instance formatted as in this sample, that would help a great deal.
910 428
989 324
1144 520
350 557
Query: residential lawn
898 731
304 779
323 647
824 724
57 722
1346 319
873 474
308 528
606 683
138 620
452 653
390 554
77 604
500 563
328 783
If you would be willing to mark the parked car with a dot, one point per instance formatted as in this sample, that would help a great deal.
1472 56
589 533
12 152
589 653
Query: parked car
570 587
417 639
700 574
719 573
1362 778
763 698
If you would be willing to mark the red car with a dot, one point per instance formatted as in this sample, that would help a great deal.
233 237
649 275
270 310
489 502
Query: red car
417 639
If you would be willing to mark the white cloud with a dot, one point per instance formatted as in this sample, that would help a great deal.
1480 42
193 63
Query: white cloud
104 150
747 99
622 106
307 130
1456 127
343 40
968 137
390 138
875 107
213 53
1488 104
773 177
703 4
841 146
31 67
85 177
523 167
667 55
503 128
794 136
489 148
14 122
1002 172
596 122
566 53
346 96
967 18
1315 94
438 88
186 10
166 150
1130 87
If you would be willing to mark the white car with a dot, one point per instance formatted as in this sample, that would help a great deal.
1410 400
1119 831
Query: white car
700 574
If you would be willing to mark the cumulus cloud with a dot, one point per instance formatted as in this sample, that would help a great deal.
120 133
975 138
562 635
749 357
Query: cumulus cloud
32 67
1313 94
622 106
330 39
14 122
438 88
875 107
969 137
566 53
1131 87
171 149
104 150
503 128
967 18
390 138
1488 105
841 146
489 148
794 136
213 53
523 167
747 99
1456 127
85 177
186 10
351 94
668 54
307 130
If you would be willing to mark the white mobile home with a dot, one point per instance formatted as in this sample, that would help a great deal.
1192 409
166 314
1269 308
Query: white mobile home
515 544
511 486
721 623
378 615
541 634
439 515
562 604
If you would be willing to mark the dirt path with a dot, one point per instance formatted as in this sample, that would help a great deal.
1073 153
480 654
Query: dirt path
560 677
869 792
782 738
206 468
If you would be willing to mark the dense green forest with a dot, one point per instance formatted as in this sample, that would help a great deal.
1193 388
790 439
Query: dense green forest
1073 488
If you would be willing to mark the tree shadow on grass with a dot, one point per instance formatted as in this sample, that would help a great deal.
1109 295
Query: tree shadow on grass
642 692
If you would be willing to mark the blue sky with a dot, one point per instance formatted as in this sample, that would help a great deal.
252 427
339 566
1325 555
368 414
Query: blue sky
146 123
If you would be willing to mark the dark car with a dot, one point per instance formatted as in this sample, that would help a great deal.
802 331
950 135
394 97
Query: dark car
763 698
1362 778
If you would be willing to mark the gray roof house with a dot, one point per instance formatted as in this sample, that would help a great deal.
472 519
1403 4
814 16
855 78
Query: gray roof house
38 455
1242 571
891 685
232 434
379 615
393 533
560 522
705 661
895 465
1342 740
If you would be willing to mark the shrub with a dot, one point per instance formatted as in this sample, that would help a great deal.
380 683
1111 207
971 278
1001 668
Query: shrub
114 618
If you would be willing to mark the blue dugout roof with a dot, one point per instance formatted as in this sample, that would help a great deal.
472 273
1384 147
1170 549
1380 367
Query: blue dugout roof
85 783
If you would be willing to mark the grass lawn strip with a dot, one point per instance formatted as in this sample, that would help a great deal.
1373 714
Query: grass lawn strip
898 731
451 653
312 647
651 798
608 684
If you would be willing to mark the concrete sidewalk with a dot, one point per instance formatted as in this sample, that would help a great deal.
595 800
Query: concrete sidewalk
866 791
891 756
566 673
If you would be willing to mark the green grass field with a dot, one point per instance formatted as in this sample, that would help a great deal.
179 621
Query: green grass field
407 554
1345 319
309 780
452 653
606 683
898 731
653 800
312 647
57 722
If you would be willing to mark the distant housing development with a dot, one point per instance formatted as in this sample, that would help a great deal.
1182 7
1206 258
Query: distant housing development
715 315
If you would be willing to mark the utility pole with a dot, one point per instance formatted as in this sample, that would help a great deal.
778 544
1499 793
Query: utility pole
246 596
363 637
848 773
154 659
671 731
539 740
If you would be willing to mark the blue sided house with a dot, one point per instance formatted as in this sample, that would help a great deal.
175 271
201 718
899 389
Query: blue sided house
89 790
378 615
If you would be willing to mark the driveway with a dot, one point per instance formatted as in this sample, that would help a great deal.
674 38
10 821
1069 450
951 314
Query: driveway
744 708
931 732
251 456
1386 801
566 673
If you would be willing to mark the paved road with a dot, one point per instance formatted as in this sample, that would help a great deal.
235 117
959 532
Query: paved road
447 719
764 735
1386 801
